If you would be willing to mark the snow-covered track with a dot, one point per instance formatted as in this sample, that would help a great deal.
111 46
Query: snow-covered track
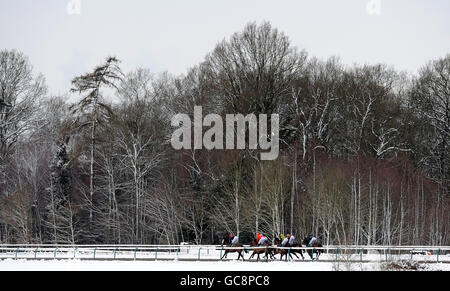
363 254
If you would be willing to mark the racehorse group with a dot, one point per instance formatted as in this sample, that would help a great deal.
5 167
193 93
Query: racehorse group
270 250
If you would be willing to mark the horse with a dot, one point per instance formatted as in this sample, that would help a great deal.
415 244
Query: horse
226 241
287 250
314 245
283 251
265 249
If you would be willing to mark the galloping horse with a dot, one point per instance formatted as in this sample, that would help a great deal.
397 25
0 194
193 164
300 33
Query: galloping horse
287 250
314 245
265 249
226 241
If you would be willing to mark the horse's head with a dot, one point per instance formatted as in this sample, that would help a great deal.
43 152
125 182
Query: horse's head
225 240
277 241
305 241
253 242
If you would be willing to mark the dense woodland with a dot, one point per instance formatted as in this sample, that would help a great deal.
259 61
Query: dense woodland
364 151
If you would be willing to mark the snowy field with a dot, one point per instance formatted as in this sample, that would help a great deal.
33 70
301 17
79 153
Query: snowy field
215 253
87 265
80 265
207 258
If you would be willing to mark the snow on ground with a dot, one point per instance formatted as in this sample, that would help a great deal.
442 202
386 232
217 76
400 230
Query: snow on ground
90 265
438 267
83 265
195 258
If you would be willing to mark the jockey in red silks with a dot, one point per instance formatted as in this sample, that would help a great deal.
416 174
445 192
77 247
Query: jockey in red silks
261 239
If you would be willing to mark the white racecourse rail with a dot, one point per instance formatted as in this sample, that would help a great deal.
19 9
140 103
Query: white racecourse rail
430 254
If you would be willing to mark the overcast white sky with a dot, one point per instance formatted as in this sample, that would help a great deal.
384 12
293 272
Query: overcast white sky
173 35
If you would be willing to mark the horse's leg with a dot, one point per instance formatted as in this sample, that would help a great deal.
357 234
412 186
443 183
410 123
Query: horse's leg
241 255
224 255
318 254
301 254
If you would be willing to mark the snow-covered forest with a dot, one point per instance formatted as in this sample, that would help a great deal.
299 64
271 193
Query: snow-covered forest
364 151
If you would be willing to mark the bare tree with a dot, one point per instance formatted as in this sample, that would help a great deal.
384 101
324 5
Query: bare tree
23 92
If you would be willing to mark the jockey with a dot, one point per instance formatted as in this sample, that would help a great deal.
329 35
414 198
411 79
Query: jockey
291 240
258 237
261 239
284 240
311 240
234 240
